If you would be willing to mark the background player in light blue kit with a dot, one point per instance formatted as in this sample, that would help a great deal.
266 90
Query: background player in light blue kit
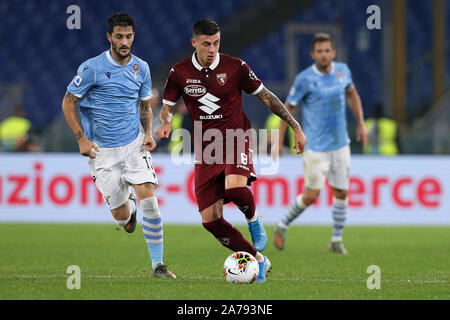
322 90
114 91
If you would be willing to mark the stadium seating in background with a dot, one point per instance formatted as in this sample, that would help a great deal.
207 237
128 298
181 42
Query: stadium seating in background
42 53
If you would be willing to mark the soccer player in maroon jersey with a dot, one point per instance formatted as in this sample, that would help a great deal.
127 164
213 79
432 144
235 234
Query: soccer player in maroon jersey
211 85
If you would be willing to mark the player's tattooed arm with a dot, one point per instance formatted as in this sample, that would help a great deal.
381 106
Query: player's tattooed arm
86 146
70 97
277 107
272 102
146 115
68 106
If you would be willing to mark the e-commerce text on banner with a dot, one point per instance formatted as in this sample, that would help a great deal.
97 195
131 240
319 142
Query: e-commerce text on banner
383 191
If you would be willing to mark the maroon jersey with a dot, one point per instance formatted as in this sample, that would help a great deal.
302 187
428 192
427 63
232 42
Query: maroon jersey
213 95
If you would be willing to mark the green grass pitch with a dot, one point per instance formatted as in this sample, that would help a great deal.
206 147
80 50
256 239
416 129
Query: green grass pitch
414 263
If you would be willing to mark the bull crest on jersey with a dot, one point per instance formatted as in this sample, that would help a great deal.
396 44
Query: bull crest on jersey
221 78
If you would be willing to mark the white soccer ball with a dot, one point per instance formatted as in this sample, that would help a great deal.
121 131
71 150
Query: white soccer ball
240 267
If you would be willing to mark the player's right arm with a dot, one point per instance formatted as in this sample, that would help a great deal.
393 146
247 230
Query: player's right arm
171 95
83 81
165 117
68 107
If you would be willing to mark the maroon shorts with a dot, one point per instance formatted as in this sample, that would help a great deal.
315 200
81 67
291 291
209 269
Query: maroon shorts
210 181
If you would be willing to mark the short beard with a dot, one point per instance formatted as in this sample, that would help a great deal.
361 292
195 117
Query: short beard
122 57
324 67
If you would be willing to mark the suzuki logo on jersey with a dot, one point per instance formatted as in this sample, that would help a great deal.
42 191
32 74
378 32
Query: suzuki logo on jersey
195 90
209 106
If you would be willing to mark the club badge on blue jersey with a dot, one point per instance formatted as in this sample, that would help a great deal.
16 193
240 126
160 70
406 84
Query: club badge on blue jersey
339 76
135 70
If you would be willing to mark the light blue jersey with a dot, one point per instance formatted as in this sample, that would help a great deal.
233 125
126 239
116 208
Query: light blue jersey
109 96
323 101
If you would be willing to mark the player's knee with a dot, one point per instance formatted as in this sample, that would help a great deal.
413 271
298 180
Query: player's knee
340 194
213 212
235 181
145 190
122 212
310 197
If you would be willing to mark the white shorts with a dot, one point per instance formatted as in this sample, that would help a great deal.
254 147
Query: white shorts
334 165
115 169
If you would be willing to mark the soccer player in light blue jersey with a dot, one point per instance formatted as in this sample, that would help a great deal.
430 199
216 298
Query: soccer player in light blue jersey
114 91
323 90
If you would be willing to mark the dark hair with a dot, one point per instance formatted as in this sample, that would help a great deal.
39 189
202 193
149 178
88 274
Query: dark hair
122 19
321 37
206 26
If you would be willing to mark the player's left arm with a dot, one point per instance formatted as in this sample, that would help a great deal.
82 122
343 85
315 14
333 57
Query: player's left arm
146 117
274 104
354 103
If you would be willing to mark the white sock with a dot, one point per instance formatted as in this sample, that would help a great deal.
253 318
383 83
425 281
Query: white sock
254 218
122 222
259 257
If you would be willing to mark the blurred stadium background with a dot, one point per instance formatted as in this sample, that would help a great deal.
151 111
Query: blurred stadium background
404 67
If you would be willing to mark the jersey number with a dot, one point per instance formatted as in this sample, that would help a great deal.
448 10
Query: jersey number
146 161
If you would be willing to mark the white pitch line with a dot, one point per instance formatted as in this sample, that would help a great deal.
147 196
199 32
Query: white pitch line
100 276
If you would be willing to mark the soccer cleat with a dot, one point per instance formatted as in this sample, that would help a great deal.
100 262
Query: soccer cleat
279 237
259 236
337 247
162 272
263 269
131 225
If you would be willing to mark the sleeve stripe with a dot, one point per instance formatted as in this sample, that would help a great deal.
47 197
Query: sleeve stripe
169 103
259 89
79 96
145 98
